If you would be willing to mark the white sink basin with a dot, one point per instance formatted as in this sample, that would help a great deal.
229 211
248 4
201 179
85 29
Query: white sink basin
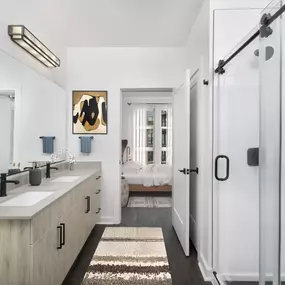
65 179
26 199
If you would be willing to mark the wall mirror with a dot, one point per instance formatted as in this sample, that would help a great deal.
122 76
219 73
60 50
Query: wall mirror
31 107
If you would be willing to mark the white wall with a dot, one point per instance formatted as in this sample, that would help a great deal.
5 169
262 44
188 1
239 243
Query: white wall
40 110
197 44
112 69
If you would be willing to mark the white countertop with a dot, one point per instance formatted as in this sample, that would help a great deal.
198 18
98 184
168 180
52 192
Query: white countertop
58 188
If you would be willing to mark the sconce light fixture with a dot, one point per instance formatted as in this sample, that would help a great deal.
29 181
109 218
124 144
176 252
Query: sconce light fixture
26 40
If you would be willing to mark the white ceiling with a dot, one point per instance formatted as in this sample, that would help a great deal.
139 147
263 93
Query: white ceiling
105 22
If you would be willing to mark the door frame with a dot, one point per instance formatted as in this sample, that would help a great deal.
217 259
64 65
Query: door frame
196 76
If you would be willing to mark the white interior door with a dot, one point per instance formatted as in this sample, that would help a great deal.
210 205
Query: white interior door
181 163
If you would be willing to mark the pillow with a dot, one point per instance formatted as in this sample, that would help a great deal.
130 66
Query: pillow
131 165
148 168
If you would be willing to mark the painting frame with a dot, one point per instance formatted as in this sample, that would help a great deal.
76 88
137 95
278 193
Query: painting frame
88 92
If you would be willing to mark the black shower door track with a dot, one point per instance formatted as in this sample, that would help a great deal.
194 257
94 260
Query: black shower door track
223 63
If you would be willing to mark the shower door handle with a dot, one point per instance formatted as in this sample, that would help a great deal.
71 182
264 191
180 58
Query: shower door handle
227 167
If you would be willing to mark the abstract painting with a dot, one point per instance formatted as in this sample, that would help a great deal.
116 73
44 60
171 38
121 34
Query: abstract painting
89 112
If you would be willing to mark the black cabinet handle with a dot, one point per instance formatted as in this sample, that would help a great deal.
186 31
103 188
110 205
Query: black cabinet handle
228 168
63 233
88 204
98 211
98 192
98 177
60 237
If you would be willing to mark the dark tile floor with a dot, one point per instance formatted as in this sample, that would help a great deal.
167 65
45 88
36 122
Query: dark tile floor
184 271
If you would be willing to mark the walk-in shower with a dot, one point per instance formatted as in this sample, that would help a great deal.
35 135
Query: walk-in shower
248 151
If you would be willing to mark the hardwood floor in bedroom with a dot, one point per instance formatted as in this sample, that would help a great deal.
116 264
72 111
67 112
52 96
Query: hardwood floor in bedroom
184 271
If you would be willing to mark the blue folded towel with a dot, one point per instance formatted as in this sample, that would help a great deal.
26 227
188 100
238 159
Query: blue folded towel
48 145
86 144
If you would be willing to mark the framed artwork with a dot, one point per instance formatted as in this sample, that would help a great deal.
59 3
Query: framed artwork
89 112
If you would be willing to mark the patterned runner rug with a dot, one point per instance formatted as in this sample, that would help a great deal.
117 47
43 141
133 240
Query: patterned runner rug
149 202
129 256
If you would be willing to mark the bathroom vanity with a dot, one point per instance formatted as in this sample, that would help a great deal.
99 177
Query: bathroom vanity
43 228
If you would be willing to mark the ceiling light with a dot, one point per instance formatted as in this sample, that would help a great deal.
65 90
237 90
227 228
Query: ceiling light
26 40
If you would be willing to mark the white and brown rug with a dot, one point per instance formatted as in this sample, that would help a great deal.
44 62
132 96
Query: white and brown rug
149 202
129 256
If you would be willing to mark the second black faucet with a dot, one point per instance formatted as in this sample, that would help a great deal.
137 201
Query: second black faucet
48 169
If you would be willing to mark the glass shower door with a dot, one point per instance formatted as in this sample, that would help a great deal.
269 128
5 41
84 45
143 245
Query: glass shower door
270 146
236 133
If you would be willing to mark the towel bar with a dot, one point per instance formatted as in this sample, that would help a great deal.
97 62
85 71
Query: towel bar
43 137
91 137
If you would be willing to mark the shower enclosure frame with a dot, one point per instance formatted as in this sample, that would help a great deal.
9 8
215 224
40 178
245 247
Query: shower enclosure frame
265 31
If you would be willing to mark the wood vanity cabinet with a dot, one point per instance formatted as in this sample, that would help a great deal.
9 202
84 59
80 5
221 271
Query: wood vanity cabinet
41 251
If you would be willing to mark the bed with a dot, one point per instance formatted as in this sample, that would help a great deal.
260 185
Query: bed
149 178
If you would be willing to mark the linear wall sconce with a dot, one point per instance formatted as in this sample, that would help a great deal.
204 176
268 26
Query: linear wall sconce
26 40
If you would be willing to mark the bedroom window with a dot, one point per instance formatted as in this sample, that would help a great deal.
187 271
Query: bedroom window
163 118
152 134
164 138
150 118
165 135
150 138
163 157
150 157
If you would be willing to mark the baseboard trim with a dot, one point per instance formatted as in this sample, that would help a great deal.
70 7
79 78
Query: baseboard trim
247 277
107 221
240 277
206 271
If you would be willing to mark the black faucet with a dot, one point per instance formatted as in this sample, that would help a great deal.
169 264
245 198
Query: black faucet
48 169
28 168
4 181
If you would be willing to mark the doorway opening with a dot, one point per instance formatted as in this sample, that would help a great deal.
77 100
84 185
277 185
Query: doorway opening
146 138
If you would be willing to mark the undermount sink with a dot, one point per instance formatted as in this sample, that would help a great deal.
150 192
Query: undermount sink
26 199
65 179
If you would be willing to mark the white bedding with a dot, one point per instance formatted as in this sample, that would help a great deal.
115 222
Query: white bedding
149 175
